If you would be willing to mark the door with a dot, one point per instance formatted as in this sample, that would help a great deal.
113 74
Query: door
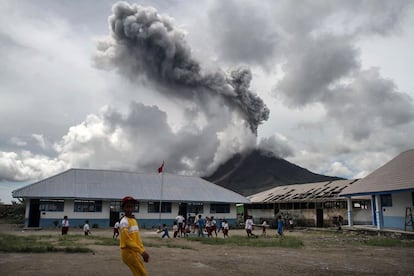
34 213
319 217
113 217
182 210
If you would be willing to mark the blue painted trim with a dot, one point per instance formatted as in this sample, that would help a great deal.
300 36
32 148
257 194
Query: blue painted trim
394 222
74 223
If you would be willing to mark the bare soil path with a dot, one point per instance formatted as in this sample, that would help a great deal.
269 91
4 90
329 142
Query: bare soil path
322 254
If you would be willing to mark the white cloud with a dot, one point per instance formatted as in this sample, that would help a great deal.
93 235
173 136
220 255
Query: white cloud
332 110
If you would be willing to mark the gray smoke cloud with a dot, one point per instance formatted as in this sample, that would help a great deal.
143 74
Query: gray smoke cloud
145 44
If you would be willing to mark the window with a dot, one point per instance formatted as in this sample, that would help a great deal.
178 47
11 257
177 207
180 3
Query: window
335 204
386 200
87 205
154 207
196 208
363 204
115 206
259 206
51 205
219 208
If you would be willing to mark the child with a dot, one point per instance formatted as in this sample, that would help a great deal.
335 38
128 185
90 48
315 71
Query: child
165 230
195 229
225 228
213 226
116 230
208 227
280 226
201 225
249 227
132 250
291 224
187 229
65 225
175 229
264 225
86 229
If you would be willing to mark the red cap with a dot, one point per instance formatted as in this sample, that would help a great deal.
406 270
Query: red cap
128 199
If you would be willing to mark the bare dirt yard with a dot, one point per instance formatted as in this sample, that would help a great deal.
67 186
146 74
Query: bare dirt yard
323 253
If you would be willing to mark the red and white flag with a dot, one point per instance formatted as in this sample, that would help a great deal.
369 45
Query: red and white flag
160 169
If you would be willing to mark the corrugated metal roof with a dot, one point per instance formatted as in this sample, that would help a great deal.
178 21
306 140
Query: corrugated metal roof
396 175
105 184
319 191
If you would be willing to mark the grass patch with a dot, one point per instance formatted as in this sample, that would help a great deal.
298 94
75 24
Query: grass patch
169 243
40 244
388 242
180 246
286 241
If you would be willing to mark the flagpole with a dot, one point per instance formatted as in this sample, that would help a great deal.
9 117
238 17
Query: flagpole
161 192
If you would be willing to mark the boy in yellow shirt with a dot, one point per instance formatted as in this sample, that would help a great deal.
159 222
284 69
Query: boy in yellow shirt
132 250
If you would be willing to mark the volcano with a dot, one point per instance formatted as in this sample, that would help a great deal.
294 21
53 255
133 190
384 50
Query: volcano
257 170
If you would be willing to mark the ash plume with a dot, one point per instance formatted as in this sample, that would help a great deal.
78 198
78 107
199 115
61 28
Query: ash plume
144 43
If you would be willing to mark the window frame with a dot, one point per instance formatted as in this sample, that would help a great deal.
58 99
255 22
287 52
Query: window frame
53 205
220 208
153 207
87 206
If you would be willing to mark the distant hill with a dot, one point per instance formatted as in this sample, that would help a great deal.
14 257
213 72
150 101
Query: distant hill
257 171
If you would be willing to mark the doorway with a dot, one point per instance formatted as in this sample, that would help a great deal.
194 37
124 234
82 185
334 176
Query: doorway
319 217
182 210
34 213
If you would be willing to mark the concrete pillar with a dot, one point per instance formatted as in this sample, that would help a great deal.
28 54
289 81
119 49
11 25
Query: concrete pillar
350 219
378 211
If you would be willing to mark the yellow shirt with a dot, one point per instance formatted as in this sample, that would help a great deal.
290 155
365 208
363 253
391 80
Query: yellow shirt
129 235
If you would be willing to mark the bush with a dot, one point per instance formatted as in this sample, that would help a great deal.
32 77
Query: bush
14 212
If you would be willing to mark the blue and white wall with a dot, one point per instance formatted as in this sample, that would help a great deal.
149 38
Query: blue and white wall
102 219
393 217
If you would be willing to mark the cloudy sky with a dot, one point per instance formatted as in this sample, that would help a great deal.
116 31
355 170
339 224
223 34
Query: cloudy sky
326 85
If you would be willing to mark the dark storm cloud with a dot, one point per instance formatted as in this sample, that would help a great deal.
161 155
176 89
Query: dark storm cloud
243 32
145 43
369 104
315 65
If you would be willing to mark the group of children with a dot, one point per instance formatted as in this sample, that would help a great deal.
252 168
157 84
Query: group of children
208 225
248 225
65 227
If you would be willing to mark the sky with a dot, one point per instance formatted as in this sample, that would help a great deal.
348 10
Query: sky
324 84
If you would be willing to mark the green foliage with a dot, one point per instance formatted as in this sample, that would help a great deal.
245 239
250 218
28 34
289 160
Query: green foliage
14 212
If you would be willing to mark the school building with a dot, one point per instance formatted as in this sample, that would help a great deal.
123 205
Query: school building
391 189
383 199
310 204
95 195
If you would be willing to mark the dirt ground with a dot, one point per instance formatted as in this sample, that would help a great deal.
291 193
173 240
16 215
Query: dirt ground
322 254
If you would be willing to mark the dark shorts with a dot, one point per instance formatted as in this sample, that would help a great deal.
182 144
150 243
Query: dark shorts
65 230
